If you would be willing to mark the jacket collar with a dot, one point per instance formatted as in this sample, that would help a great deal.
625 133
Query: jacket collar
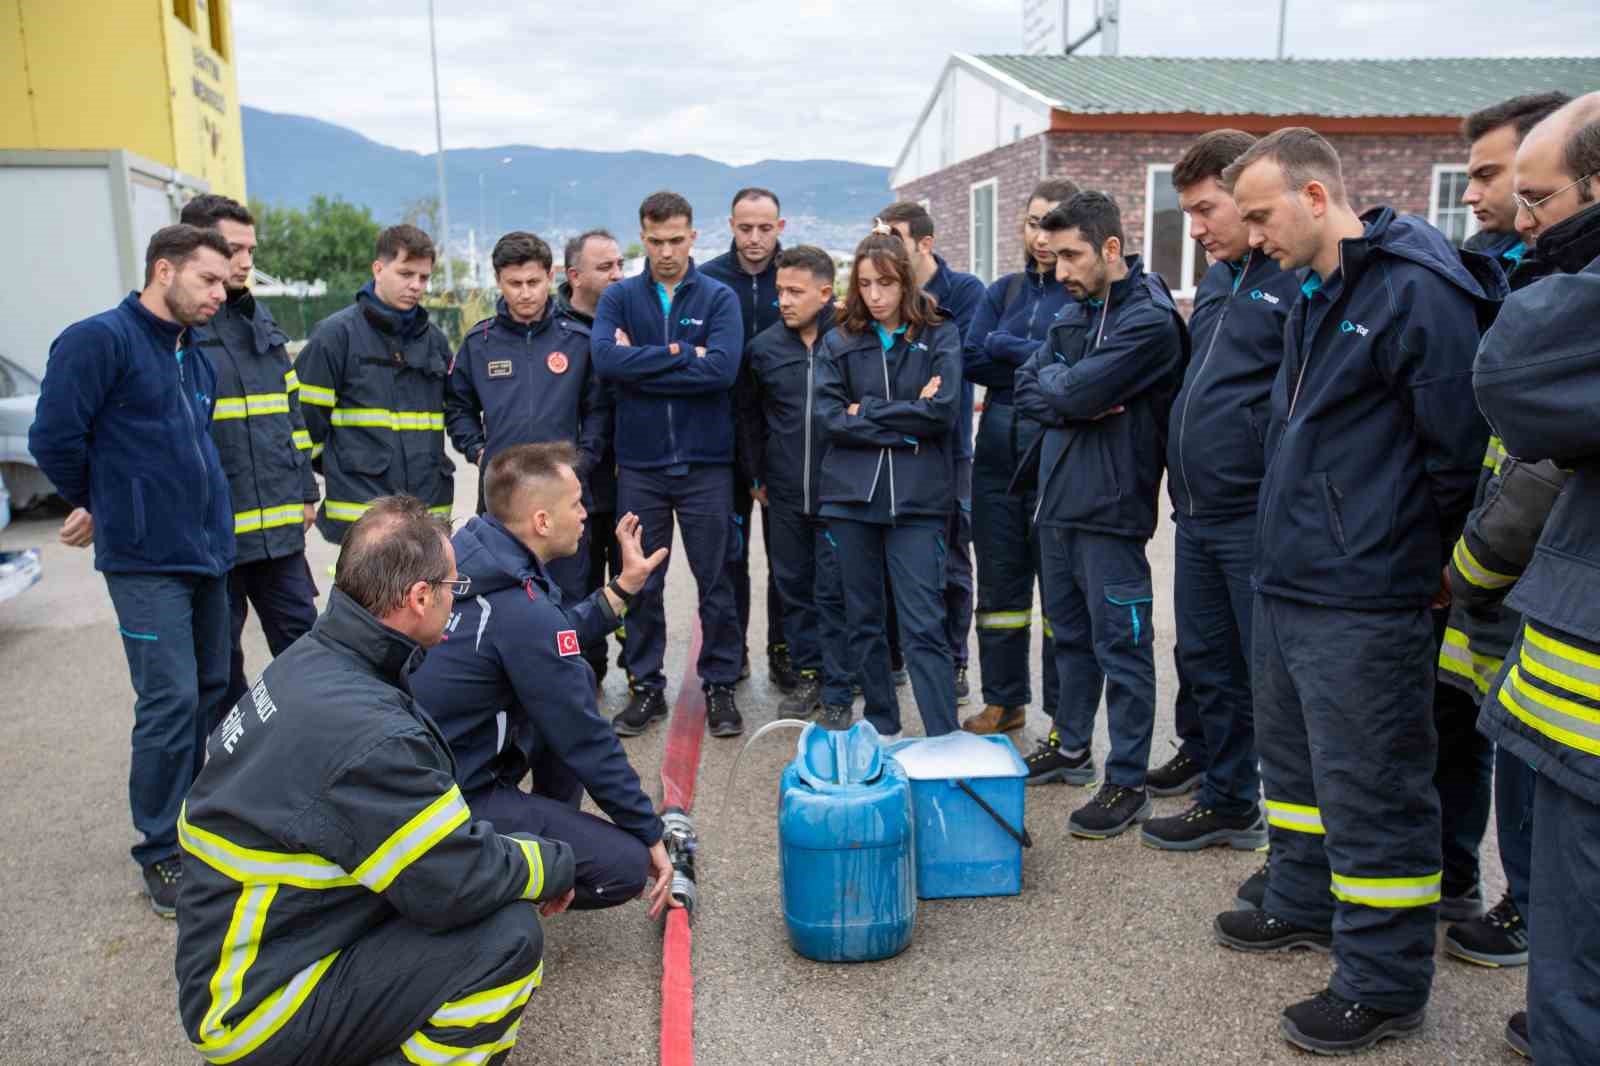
564 306
242 302
690 275
408 324
502 317
169 333
1573 243
770 270
391 654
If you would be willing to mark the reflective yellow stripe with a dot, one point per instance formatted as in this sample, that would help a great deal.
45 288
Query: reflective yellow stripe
259 1025
481 1008
316 451
267 518
419 1049
534 857
291 381
411 841
1564 721
239 947
252 866
1049 630
1475 571
1295 817
1005 619
317 395
1457 657
1495 454
1387 891
345 511
1559 663
443 510
264 403
302 439
377 417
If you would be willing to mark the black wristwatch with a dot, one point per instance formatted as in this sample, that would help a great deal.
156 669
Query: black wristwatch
625 597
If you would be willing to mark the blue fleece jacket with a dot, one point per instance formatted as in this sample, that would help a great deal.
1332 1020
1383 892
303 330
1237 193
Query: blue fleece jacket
1004 336
123 427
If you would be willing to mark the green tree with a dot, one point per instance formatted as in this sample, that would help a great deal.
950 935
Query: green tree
331 239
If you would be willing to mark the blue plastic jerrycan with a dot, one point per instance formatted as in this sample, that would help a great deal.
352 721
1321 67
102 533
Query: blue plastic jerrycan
846 855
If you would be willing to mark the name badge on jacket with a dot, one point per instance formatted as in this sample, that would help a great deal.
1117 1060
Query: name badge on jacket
501 368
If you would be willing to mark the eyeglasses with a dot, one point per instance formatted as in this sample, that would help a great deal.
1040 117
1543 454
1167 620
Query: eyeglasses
457 586
1530 205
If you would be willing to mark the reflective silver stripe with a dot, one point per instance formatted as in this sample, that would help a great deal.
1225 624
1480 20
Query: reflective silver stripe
425 1052
1475 571
412 840
1005 619
1294 816
395 420
488 1006
268 518
1560 663
268 1018
317 396
252 866
1387 891
1562 720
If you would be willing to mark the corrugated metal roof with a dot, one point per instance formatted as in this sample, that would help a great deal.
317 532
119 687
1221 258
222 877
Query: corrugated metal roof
1325 87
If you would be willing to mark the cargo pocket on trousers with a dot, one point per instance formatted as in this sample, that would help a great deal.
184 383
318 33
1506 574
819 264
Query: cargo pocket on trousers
1128 607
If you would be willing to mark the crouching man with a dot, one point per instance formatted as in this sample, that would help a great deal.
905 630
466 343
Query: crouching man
511 691
339 903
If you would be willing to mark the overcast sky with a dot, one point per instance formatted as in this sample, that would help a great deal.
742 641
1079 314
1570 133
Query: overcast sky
793 79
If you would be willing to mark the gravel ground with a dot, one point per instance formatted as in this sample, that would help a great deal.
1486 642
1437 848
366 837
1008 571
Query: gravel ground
1106 956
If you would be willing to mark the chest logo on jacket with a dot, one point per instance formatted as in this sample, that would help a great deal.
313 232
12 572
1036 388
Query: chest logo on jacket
1348 326
557 362
1257 294
501 368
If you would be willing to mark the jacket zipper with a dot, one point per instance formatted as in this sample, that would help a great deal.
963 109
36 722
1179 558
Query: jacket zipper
1038 298
887 396
666 330
1183 419
805 471
1300 380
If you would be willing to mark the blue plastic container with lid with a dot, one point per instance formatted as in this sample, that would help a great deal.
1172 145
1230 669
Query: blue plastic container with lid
846 848
968 797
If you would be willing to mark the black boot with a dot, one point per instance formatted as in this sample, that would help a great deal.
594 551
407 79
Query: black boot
1329 1024
645 705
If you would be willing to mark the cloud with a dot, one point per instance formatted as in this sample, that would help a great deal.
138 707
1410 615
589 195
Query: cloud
740 81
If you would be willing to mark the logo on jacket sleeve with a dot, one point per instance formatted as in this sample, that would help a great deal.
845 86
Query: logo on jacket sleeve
567 642
557 362
501 368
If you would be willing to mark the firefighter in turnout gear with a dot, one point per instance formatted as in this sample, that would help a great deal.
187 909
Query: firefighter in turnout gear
372 383
339 902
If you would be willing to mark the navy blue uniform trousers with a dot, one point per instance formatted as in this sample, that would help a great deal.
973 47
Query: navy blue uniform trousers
805 567
605 563
1564 928
1008 563
958 595
739 572
1344 725
1463 777
1098 599
913 553
702 500
1212 599
284 596
1514 785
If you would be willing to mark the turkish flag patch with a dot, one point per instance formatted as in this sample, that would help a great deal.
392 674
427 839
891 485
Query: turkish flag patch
557 362
567 642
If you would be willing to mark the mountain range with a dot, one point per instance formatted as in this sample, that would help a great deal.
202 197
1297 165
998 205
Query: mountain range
555 192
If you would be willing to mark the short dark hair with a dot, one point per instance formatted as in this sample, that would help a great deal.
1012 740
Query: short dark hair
519 247
1303 155
405 238
574 249
1582 157
1053 190
755 192
1209 156
519 463
207 209
1520 112
664 206
394 544
808 257
913 214
1092 213
177 244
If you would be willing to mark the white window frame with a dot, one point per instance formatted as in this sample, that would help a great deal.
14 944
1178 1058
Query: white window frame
1150 171
1434 206
994 228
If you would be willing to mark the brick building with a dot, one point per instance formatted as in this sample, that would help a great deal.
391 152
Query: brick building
995 125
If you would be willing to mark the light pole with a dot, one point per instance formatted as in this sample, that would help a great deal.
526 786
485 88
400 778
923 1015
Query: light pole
438 136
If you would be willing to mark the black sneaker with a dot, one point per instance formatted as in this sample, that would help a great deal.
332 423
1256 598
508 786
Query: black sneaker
1259 931
1048 764
1174 777
1253 892
780 670
1201 827
806 699
722 714
1329 1024
645 705
963 690
836 716
162 879
1517 1034
1113 810
1462 907
1498 938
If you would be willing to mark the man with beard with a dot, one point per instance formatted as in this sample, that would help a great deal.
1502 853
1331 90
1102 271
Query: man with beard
122 431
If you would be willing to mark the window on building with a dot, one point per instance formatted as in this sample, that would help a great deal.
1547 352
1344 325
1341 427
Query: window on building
219 26
983 228
184 10
1168 250
1445 209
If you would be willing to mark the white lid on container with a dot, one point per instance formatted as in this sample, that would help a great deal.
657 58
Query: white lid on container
957 755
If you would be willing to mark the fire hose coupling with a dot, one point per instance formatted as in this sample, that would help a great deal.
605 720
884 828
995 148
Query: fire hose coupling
681 842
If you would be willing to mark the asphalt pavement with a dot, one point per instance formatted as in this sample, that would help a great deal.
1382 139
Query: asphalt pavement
1105 957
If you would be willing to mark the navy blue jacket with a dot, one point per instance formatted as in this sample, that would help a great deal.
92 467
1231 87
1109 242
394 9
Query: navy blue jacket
671 409
1375 441
1001 337
123 429
1217 436
959 296
1537 377
757 293
504 651
781 433
1103 474
893 459
512 383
